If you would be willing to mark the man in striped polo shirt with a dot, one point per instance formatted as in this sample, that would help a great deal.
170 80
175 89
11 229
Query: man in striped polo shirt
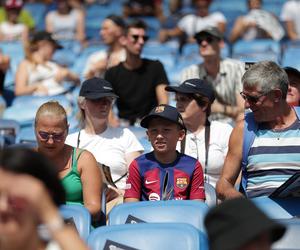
273 154
224 74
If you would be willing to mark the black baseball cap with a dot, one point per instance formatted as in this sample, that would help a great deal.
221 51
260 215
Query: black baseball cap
212 31
95 88
194 86
236 222
291 70
45 36
166 112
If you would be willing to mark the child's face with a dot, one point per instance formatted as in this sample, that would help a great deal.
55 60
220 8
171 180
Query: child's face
164 135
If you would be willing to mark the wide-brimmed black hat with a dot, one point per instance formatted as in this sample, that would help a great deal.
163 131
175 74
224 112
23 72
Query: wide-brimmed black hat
194 86
236 222
95 88
45 36
166 112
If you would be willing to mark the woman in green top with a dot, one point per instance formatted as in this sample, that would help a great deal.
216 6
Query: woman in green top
78 169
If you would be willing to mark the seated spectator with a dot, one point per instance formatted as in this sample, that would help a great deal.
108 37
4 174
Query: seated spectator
140 8
224 74
12 29
24 16
66 23
30 193
239 225
112 29
206 141
290 16
190 24
293 94
138 82
269 135
37 75
112 147
257 24
164 173
78 170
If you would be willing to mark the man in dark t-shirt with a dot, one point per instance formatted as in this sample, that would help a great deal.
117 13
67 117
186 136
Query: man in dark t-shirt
138 82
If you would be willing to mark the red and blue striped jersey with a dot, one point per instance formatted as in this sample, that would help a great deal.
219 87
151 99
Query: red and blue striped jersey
149 179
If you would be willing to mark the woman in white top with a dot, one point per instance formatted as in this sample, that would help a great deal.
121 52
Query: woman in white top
11 29
37 75
66 23
113 147
206 141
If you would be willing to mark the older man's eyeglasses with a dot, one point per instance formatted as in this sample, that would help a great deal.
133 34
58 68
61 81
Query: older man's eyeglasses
45 136
253 99
136 38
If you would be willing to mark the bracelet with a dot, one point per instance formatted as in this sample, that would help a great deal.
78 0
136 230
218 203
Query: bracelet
55 225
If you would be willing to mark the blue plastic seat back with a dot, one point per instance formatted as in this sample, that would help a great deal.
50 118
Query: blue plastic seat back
210 195
31 105
276 208
9 130
184 211
149 236
291 239
81 217
38 12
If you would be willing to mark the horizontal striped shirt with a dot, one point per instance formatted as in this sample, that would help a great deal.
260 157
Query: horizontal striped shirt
273 158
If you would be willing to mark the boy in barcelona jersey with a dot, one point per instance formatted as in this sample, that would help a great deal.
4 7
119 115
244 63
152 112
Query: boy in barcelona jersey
164 173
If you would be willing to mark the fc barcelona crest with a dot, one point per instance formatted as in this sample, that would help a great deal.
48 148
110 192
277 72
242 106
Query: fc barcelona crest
181 182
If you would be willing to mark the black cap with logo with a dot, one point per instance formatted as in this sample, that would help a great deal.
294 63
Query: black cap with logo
194 86
163 111
96 88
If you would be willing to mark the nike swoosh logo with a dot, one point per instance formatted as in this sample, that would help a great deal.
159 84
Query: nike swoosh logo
150 182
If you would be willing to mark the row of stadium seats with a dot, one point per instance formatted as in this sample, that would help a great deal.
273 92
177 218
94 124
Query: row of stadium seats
172 224
75 57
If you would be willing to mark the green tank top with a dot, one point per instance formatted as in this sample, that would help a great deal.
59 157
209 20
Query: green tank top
72 182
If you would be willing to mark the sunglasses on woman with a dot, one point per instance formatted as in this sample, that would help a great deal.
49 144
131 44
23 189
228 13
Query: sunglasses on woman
57 137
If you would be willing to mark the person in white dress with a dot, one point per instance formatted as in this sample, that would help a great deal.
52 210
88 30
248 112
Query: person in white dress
37 74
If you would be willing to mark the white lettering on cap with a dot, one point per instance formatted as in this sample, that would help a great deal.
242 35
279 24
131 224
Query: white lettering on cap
188 83
109 88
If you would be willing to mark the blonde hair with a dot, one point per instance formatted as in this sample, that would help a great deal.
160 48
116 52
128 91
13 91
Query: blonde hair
80 115
51 108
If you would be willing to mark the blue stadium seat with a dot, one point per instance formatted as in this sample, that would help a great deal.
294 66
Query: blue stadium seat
81 217
148 236
291 239
141 135
257 50
31 104
14 49
183 211
210 194
68 54
290 57
276 208
9 130
38 12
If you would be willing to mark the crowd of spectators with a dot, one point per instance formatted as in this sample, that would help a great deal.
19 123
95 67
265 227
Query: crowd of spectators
201 140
